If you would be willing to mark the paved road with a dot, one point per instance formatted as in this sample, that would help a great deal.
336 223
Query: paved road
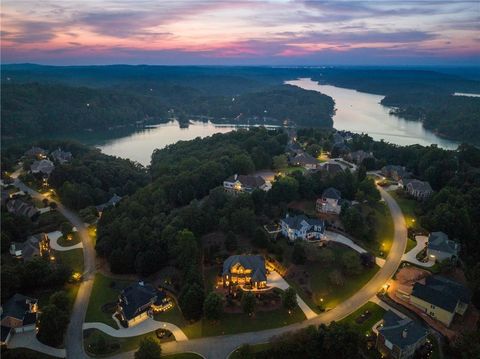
220 347
74 337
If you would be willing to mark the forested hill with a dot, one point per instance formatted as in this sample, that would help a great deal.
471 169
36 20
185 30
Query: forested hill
425 96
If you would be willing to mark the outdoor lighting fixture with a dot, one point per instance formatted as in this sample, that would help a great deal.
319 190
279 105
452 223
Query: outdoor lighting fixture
52 258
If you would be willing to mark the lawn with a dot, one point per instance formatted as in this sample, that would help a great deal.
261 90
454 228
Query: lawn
407 205
24 353
384 232
118 345
64 242
410 245
105 290
365 327
324 293
290 169
254 349
72 258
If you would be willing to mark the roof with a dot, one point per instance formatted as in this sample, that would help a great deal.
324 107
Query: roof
439 241
111 202
44 166
135 297
333 168
35 151
254 262
247 180
295 222
421 186
442 292
401 332
61 156
304 159
331 192
17 307
21 208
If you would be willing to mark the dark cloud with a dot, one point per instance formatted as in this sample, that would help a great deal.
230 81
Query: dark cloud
31 32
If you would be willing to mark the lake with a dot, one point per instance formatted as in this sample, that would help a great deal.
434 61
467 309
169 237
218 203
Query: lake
362 112
139 145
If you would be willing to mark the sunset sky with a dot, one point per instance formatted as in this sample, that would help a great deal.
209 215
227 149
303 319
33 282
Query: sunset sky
275 32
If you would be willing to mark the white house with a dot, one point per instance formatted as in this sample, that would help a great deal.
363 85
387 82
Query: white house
440 248
330 201
302 227
244 184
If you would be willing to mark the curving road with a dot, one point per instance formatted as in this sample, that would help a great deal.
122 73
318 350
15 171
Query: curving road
74 337
220 347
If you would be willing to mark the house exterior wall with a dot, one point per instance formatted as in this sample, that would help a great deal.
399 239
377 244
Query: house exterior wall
394 351
439 256
11 322
138 318
433 311
328 205
25 328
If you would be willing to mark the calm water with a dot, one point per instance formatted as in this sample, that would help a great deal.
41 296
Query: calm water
138 146
362 112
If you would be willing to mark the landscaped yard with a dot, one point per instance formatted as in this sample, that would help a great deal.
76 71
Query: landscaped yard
317 277
364 325
72 258
384 232
114 345
407 205
290 169
64 242
105 290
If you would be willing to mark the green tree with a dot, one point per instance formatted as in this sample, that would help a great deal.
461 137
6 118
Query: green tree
52 325
191 301
243 164
260 238
289 298
249 302
213 306
280 162
231 242
284 189
60 300
148 349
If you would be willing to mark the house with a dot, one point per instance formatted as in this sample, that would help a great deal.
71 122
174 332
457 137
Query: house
440 248
294 148
395 172
419 189
330 202
398 337
19 207
249 271
135 302
359 156
302 227
244 184
19 315
332 168
304 160
44 167
441 298
35 246
61 156
112 202
37 152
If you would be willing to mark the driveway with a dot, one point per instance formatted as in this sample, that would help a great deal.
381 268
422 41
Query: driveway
54 236
276 280
146 326
340 238
30 341
221 346
411 256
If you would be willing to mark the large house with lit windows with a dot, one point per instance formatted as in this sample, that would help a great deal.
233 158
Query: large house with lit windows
244 184
249 271
303 228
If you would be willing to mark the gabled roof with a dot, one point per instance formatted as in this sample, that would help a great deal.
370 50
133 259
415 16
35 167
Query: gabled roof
17 307
439 241
401 332
304 159
332 193
332 168
61 156
247 180
111 202
21 208
44 166
295 222
35 151
135 297
254 262
418 185
442 292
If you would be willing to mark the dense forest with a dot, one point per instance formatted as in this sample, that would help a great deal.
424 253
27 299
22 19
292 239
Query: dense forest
425 96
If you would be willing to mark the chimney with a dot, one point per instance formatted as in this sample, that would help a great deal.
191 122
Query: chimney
141 283
235 177
404 333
